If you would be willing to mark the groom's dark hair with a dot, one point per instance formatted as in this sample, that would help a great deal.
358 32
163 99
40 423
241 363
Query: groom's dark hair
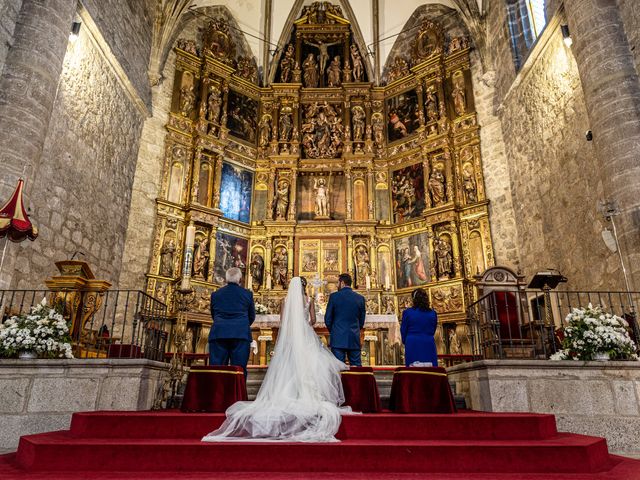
346 279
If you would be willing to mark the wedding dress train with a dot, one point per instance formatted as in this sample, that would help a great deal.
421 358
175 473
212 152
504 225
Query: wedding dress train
301 394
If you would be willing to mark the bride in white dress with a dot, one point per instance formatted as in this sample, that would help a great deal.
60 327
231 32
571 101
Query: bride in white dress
300 397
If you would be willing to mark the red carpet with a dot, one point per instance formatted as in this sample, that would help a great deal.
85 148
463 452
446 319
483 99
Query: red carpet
128 445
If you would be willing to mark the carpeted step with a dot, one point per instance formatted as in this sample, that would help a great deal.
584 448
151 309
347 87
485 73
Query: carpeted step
461 426
565 453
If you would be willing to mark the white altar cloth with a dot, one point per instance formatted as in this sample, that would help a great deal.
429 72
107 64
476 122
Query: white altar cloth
389 322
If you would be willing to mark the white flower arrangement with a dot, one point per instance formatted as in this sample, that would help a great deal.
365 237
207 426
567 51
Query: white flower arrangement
43 331
261 309
591 331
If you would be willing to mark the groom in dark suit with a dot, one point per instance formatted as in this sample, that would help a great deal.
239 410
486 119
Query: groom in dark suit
233 312
344 319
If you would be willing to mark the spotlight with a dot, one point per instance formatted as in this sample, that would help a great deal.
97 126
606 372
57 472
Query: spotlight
588 135
75 31
566 35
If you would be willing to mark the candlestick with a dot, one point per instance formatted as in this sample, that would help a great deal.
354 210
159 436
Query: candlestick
189 241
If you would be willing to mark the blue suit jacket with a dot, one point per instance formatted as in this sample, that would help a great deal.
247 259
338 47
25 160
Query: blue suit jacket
344 318
233 312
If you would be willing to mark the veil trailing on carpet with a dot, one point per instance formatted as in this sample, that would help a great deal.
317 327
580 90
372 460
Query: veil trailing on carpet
301 394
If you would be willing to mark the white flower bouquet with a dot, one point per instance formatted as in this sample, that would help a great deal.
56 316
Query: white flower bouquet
44 331
590 332
261 309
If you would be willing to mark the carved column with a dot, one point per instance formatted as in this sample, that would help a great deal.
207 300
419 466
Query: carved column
271 193
195 178
292 194
426 172
349 192
455 247
212 253
612 96
370 193
216 182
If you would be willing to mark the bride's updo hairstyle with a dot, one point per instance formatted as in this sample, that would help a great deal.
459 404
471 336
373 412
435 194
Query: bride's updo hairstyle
420 299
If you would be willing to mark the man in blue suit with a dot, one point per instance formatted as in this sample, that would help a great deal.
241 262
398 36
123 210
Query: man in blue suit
233 312
344 319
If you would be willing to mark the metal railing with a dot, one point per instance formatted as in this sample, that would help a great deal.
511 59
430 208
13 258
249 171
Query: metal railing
108 324
527 323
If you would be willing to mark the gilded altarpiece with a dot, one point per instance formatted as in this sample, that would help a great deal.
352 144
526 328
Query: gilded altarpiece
322 172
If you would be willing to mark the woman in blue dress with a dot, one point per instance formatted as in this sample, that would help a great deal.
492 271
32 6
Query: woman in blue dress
417 330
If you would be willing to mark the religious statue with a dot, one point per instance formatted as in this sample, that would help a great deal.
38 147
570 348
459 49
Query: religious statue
469 183
431 105
388 306
281 200
399 68
166 258
459 97
437 187
322 131
443 121
358 122
321 191
363 267
246 69
214 103
356 63
310 69
334 74
256 268
280 264
324 53
287 64
265 131
188 46
457 43
444 258
455 345
377 125
187 100
286 125
201 258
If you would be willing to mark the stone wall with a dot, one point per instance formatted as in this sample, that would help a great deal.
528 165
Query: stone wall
9 10
591 398
554 174
631 17
127 28
41 395
81 192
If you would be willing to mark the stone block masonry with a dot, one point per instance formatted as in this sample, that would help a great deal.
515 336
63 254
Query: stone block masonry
591 398
41 395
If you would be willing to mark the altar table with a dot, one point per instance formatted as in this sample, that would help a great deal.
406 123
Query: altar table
371 322
421 390
214 388
361 390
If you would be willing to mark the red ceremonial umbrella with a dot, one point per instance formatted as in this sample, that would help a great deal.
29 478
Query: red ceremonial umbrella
14 221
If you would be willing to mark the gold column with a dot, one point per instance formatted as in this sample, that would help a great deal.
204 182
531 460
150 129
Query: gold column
216 182
370 194
292 194
195 178
455 240
349 193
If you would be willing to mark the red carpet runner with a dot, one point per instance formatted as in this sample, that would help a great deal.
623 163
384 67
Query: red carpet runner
128 445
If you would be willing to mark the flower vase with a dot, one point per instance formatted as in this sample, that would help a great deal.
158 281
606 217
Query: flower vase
601 357
27 355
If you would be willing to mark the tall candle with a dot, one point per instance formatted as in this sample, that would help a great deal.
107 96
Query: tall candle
368 282
387 282
189 241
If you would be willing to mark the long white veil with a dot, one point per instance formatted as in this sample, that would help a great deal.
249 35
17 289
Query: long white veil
301 393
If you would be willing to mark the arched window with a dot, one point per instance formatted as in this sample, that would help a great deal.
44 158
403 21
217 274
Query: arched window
526 19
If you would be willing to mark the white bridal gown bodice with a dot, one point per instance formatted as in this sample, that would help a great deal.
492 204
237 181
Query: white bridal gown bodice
301 394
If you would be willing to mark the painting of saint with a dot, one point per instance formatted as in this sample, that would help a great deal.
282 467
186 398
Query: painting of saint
235 192
231 251
412 260
407 192
403 115
242 117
